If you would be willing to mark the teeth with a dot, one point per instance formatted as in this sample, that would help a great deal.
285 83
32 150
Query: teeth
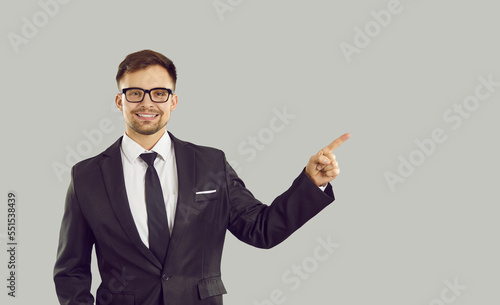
147 115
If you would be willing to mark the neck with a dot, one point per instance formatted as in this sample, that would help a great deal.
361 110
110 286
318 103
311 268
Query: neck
146 141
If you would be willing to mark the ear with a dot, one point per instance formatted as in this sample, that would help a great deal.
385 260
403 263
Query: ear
119 101
173 102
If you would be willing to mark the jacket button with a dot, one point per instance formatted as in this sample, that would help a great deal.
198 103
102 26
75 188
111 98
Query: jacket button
165 277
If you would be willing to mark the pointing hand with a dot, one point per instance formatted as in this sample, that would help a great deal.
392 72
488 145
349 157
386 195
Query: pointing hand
322 167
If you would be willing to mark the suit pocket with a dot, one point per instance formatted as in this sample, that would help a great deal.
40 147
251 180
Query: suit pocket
211 287
107 298
206 195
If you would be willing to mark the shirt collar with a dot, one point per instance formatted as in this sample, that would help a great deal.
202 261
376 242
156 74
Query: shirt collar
132 150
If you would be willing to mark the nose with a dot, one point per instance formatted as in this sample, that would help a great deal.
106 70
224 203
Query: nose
147 99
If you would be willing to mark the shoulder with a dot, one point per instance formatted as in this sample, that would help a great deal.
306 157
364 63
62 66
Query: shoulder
93 163
206 153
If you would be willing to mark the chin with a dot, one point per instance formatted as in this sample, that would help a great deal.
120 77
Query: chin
148 131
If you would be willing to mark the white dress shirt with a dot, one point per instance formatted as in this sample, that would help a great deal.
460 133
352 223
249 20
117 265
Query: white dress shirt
134 171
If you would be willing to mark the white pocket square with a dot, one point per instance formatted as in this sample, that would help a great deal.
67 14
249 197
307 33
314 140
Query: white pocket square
206 192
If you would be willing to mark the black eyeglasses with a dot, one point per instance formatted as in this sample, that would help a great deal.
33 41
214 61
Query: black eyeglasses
157 95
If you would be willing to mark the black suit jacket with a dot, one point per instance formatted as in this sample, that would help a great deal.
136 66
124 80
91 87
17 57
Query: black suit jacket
97 214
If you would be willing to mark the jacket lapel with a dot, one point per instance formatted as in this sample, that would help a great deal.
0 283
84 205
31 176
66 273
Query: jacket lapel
112 172
185 161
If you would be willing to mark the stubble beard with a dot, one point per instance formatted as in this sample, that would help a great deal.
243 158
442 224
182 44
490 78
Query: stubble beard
147 128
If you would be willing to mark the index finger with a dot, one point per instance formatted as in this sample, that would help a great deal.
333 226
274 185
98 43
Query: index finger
337 142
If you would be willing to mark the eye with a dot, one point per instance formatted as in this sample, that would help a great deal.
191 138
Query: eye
134 93
160 93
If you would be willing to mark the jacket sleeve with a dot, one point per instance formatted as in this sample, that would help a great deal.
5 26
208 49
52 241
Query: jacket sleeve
266 226
72 276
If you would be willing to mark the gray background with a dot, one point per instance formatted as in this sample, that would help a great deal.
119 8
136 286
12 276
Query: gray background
395 247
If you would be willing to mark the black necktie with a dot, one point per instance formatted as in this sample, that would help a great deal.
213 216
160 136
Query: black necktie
159 234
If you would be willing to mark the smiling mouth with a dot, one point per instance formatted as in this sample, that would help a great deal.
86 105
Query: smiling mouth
142 115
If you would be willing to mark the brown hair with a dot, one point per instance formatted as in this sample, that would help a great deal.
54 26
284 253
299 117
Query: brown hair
142 60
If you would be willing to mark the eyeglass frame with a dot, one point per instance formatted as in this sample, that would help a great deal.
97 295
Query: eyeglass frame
170 92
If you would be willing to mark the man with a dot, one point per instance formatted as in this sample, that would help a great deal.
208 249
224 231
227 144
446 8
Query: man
157 208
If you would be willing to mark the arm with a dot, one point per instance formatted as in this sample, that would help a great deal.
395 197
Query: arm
266 226
72 275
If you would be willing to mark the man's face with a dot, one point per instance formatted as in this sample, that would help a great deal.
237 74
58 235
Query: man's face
146 117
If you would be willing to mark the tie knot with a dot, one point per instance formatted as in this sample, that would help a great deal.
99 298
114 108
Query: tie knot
149 158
